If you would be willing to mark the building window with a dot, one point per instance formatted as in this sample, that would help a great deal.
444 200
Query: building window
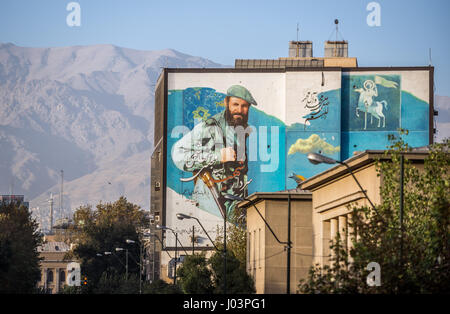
49 276
62 276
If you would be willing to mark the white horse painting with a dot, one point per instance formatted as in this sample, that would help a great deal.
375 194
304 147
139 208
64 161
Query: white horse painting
366 105
377 112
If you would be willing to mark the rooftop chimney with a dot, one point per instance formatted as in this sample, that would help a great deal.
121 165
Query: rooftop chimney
300 49
336 49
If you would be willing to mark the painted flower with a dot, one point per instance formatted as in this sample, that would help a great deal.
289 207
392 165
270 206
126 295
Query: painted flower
201 113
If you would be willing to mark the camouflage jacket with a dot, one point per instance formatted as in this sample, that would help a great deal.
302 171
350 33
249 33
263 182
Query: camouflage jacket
200 149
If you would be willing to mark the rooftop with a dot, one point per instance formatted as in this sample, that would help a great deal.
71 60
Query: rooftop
54 246
357 161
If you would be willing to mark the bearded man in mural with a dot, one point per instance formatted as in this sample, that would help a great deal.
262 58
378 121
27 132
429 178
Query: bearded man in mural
215 152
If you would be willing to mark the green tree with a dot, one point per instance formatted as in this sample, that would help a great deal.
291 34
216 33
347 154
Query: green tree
71 290
195 276
19 259
115 283
161 287
237 236
413 259
104 230
237 280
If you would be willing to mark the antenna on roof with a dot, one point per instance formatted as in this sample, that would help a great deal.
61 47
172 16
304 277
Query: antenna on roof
297 41
336 48
429 54
336 21
61 194
336 31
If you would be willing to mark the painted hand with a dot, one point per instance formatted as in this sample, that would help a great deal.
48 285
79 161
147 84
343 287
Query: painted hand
228 154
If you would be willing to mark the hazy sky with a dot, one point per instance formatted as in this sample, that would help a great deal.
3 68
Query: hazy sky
226 30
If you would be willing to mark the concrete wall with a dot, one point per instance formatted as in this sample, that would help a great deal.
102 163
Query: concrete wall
299 111
267 259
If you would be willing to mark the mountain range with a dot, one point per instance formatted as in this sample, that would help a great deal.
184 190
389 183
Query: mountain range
85 110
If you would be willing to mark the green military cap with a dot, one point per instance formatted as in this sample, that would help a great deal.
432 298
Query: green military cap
241 92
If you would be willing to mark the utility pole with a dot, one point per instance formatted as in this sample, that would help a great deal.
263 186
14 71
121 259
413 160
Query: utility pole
225 252
61 194
288 271
126 263
402 162
153 263
176 249
51 212
193 238
141 267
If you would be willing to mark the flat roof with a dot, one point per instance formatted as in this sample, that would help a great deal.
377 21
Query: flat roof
355 162
290 69
280 195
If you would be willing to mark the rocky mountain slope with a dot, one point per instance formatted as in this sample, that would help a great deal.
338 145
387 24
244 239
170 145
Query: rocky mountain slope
86 110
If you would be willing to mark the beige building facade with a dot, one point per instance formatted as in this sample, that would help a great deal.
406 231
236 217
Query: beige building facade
266 257
319 211
335 190
53 266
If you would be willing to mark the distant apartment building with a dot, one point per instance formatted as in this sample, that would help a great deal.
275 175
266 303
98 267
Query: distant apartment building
8 199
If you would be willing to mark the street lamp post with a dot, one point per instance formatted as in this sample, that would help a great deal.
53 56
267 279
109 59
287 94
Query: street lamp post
111 253
155 236
316 159
402 165
181 216
126 260
139 264
225 251
176 249
193 239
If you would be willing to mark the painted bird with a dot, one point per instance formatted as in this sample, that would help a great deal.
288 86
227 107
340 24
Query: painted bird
298 178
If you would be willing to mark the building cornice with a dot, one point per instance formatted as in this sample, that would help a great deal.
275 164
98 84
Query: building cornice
355 163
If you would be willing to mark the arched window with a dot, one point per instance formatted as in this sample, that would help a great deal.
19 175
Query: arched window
62 276
50 276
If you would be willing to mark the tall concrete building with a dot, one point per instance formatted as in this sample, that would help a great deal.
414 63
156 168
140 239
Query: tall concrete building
283 109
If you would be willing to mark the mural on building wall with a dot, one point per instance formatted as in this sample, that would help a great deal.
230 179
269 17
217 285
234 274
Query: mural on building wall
270 156
375 105
209 159
376 100
213 151
317 106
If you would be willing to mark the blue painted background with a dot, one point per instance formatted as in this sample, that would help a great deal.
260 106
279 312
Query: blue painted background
339 130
